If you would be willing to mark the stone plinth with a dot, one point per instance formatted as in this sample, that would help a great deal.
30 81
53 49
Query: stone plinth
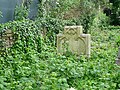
73 40
118 58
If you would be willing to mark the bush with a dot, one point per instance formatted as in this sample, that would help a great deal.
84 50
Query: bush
27 34
115 16
100 21
118 41
22 11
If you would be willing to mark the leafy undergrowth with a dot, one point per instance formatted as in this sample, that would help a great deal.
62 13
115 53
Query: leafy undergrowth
25 68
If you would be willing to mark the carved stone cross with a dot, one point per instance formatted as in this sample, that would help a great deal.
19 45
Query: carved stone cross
73 40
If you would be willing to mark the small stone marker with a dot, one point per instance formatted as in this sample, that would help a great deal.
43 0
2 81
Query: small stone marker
118 58
73 40
7 39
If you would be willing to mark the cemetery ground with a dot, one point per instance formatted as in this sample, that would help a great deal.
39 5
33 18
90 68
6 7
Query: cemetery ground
47 70
28 55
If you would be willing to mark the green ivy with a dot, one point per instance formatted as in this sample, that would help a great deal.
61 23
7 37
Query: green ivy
32 64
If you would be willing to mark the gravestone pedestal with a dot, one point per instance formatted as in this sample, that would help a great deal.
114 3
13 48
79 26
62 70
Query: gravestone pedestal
73 40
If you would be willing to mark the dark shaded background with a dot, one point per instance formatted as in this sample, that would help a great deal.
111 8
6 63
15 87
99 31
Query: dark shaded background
7 8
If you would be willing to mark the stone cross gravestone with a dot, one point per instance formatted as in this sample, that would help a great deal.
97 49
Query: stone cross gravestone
73 40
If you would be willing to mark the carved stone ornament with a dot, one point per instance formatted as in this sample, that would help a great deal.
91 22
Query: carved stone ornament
73 40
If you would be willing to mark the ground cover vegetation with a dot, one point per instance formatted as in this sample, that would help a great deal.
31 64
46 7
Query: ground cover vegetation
32 62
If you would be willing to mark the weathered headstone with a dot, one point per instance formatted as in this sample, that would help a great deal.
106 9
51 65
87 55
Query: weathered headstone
6 39
73 40
118 58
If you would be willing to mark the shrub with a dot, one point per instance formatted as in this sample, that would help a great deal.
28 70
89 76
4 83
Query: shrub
100 21
115 16
22 11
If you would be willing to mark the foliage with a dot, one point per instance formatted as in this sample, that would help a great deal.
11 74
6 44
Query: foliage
100 21
91 14
26 33
87 11
22 11
115 17
87 14
50 28
55 8
101 3
31 64
118 40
